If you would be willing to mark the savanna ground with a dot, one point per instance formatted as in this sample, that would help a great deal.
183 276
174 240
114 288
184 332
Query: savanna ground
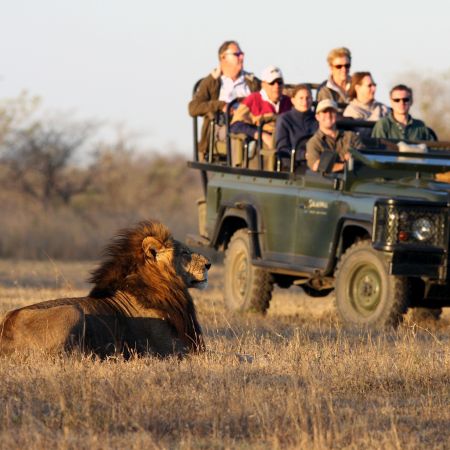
301 381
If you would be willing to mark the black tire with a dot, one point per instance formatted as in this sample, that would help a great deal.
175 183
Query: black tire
366 295
421 314
247 288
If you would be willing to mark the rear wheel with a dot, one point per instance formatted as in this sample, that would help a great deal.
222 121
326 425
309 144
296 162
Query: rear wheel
247 288
366 294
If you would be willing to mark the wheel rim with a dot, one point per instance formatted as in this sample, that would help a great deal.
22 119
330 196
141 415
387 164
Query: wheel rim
241 275
365 289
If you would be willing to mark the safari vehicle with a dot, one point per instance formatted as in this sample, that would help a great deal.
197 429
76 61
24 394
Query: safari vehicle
377 234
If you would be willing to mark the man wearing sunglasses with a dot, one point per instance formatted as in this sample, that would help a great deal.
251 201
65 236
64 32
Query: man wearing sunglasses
399 124
337 86
223 85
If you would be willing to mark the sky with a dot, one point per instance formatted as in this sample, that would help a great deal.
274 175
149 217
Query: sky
133 63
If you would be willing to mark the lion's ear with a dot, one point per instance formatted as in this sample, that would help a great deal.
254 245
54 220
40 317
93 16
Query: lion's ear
151 247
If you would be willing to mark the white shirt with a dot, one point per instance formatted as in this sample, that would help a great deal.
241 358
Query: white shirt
230 90
265 97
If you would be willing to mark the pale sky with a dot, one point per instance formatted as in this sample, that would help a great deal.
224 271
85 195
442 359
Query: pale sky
135 62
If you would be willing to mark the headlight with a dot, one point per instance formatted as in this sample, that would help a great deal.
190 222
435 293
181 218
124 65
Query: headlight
410 223
422 229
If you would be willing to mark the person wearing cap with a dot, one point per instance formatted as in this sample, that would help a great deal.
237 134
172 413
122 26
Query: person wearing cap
328 138
224 85
265 104
338 84
399 124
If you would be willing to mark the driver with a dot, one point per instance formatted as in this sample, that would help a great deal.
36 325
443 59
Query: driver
328 138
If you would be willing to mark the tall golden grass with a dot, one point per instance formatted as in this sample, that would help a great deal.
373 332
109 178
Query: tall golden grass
294 379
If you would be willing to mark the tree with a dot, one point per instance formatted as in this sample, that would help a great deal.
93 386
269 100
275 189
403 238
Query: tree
16 112
38 160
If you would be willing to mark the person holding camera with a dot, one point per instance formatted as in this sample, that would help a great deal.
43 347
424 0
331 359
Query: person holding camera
328 139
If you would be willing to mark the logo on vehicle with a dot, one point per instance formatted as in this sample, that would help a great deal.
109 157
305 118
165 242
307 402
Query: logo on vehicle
317 204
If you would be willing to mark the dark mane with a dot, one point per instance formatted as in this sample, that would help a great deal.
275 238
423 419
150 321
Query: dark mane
126 268
124 256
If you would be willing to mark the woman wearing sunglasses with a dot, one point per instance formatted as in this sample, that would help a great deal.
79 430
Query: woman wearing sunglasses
399 124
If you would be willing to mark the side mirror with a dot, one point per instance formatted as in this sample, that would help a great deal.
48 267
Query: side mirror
327 160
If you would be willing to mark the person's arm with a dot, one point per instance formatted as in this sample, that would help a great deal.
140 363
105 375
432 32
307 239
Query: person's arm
282 139
349 111
324 93
203 103
242 120
312 156
378 131
429 136
356 141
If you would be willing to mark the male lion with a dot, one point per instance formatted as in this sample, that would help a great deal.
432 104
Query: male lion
139 304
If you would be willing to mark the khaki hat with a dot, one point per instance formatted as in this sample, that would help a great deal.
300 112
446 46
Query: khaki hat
326 104
271 73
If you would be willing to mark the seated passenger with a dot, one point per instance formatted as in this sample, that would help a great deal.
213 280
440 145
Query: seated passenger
225 84
398 124
338 84
328 138
297 125
265 104
362 99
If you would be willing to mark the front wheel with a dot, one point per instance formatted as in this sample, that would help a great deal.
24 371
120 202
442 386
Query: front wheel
247 288
366 294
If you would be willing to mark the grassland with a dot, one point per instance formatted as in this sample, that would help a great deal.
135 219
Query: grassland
294 379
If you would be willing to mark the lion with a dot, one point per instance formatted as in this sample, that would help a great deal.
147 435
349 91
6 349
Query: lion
139 304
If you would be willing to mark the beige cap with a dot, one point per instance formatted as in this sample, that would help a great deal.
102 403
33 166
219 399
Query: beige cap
271 73
326 104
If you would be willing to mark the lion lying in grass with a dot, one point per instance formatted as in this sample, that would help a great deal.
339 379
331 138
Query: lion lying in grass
140 303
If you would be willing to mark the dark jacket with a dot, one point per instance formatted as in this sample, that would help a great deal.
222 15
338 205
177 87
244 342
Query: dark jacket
292 127
206 101
328 89
389 128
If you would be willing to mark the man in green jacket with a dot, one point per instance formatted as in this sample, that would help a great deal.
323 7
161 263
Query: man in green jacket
399 124
225 84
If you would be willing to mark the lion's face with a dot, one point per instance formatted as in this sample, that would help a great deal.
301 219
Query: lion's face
191 266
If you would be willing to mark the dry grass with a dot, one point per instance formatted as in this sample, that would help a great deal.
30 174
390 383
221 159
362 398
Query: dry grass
309 383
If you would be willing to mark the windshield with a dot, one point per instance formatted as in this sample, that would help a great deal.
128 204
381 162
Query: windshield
432 162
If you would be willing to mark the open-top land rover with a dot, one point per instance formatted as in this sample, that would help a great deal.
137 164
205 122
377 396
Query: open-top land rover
377 233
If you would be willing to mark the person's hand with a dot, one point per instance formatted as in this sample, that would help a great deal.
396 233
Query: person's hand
338 167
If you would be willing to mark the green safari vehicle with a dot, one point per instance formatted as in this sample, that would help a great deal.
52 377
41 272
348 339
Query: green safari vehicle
377 234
